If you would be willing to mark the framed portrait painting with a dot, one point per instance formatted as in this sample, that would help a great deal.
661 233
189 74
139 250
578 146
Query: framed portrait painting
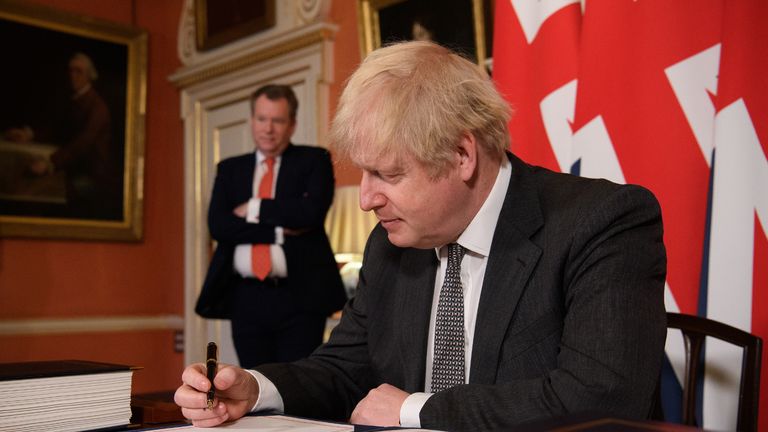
461 25
71 125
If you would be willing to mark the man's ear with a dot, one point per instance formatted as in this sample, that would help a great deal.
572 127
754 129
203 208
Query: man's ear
467 154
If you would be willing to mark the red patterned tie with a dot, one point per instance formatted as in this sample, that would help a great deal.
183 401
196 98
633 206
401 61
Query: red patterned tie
261 262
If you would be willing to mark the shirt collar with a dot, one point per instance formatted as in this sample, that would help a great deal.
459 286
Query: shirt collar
261 158
83 90
477 238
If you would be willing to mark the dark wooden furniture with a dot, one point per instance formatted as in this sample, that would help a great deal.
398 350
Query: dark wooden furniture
695 329
155 409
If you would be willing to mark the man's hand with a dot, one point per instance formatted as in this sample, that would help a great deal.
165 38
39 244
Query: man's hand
296 231
241 210
381 407
236 393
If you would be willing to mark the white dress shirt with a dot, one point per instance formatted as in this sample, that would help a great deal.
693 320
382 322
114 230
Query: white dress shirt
476 239
242 258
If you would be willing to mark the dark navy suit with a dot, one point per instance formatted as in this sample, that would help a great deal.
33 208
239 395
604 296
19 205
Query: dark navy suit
276 319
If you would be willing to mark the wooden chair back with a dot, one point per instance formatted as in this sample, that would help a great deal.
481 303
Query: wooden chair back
695 329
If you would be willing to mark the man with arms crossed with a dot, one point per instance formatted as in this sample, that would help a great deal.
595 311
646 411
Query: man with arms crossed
560 278
273 257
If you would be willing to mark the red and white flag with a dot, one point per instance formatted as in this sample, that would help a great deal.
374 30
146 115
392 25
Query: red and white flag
672 96
534 36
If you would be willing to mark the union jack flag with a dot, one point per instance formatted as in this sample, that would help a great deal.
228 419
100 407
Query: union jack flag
671 95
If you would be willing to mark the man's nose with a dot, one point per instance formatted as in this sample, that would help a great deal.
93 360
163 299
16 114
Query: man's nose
370 197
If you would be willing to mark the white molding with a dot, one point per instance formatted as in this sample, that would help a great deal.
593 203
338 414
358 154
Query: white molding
90 325
313 10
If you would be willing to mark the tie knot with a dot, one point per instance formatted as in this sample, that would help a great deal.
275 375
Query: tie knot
270 161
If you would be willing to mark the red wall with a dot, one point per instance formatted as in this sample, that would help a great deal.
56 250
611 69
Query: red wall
77 279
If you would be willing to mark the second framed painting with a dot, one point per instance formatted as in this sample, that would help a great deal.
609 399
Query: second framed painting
461 25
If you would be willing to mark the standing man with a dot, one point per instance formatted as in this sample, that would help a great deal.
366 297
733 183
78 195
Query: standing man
492 292
273 261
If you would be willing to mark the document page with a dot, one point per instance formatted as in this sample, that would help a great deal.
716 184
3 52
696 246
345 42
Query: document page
273 423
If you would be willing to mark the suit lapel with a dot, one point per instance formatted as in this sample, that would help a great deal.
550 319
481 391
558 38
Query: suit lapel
510 263
243 177
416 286
284 174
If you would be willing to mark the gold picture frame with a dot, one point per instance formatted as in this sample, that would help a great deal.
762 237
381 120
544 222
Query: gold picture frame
72 151
458 24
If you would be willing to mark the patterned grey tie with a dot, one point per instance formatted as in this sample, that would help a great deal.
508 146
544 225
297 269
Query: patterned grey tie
448 363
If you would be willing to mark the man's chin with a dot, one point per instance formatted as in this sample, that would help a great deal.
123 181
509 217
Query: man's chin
398 239
403 241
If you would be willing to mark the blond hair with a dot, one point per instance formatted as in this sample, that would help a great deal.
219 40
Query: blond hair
419 98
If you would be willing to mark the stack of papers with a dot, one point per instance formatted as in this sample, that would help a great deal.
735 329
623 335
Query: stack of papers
68 395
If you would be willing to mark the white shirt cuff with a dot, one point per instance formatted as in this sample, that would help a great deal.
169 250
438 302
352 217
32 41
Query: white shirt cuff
409 412
269 398
279 236
254 206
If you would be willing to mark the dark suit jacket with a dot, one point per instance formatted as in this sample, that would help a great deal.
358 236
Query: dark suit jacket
303 194
571 316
